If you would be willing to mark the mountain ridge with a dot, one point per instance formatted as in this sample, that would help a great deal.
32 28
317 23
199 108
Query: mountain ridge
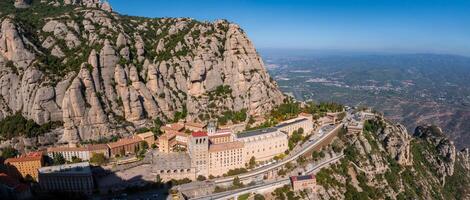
104 74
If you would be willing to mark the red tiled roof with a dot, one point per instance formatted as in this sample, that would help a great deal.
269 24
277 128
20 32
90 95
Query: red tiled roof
95 147
199 134
195 124
24 158
225 146
124 141
35 153
60 149
172 127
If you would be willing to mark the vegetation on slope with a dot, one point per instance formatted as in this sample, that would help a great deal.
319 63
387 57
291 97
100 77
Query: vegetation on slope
417 181
17 125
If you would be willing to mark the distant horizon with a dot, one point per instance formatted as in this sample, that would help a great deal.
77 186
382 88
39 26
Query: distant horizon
301 52
419 26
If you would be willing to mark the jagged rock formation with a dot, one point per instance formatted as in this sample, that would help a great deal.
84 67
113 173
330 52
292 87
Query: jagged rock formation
22 3
445 149
385 163
102 73
396 141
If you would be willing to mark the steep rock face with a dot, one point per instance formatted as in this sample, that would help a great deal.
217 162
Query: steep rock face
444 162
371 168
396 141
82 112
464 157
12 45
103 74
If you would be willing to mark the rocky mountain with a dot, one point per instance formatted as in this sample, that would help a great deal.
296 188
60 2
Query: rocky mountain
385 162
103 74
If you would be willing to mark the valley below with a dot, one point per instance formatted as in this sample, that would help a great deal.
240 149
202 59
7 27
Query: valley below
410 89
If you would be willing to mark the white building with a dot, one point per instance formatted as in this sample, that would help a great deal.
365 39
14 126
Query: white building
263 144
69 152
295 124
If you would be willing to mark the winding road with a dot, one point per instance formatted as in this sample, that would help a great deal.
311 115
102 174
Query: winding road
264 185
307 146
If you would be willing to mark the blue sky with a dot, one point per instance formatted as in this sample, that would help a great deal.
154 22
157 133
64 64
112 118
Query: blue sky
397 26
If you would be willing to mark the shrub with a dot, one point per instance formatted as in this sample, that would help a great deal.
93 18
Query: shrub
9 152
17 125
201 178
98 158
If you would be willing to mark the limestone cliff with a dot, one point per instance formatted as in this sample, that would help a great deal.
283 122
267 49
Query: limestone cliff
384 162
102 73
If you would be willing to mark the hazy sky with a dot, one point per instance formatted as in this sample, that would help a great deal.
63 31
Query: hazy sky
404 26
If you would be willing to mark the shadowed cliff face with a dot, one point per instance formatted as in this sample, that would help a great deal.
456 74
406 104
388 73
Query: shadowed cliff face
103 74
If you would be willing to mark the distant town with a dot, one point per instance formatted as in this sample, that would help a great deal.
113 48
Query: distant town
187 160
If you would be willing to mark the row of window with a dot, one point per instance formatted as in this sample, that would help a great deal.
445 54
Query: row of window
56 183
175 171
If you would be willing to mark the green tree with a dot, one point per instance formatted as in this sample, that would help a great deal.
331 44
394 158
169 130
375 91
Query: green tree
235 171
295 138
9 152
158 181
259 197
76 159
315 155
144 145
59 159
237 183
252 162
98 158
201 178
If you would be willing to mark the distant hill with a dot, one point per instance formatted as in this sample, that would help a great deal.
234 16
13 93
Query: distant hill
414 89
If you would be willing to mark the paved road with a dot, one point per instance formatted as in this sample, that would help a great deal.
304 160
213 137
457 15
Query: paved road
305 148
264 185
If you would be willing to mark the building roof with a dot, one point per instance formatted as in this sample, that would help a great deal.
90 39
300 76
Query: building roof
146 134
35 153
294 121
8 180
12 183
225 146
95 147
172 127
76 168
195 124
172 134
172 161
175 126
24 158
302 178
166 136
221 132
199 134
220 135
256 132
61 149
124 141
